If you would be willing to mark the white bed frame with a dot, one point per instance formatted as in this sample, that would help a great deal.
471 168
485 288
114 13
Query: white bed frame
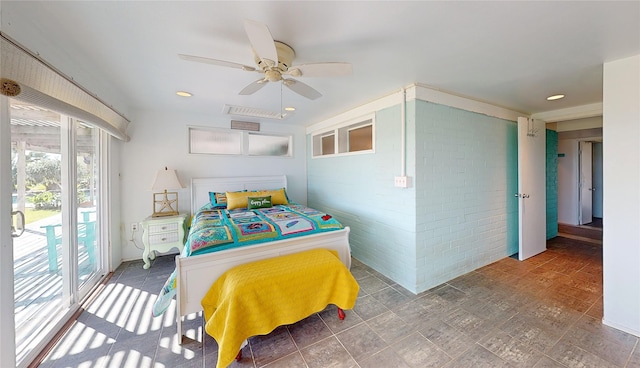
196 274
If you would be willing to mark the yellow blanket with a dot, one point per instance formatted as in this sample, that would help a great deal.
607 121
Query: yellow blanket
255 298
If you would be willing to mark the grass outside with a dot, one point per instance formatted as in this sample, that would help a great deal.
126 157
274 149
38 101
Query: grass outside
32 215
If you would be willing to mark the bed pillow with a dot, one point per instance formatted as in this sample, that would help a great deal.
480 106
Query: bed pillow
278 196
219 199
239 199
259 202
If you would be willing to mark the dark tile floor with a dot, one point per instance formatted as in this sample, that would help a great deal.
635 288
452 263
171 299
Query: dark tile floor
543 312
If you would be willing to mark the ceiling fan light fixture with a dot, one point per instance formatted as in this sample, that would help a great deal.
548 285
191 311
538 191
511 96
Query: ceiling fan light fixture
295 72
272 75
555 97
289 108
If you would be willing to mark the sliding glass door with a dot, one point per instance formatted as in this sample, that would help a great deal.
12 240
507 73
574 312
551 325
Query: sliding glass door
58 257
87 202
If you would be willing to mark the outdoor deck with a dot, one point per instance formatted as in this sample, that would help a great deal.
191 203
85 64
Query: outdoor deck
38 290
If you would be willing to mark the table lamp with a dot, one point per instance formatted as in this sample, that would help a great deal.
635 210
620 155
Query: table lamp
165 203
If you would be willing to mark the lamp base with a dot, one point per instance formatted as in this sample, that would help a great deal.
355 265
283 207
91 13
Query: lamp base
163 204
164 214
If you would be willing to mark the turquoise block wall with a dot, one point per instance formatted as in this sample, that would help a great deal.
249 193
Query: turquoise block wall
463 191
458 214
552 183
359 191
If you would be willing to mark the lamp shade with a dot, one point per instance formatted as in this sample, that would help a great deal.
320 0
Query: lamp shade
166 180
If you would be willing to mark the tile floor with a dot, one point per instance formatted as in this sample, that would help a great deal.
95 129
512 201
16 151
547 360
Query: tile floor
543 312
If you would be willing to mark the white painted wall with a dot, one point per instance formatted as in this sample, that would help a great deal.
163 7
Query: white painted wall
621 241
160 138
579 124
568 181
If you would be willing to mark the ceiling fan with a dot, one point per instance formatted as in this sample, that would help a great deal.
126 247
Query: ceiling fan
274 60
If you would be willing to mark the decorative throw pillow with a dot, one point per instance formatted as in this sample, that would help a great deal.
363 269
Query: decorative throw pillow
218 200
259 202
239 199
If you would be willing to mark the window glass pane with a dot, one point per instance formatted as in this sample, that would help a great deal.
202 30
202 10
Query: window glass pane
348 138
269 145
360 139
87 192
328 144
215 141
40 281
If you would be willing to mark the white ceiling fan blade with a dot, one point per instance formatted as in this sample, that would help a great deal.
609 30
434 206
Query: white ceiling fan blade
205 60
301 89
261 41
253 87
320 70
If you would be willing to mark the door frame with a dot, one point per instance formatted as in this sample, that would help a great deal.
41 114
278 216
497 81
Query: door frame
585 179
7 307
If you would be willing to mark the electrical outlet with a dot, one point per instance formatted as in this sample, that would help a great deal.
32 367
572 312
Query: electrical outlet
401 181
134 226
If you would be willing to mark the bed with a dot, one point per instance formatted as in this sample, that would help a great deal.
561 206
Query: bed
195 274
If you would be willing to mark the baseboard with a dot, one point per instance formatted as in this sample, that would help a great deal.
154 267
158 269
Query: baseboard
621 328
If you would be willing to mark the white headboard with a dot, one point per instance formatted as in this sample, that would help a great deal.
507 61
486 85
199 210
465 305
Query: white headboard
200 187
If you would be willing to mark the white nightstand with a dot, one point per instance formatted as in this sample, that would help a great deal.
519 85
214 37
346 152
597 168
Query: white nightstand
161 234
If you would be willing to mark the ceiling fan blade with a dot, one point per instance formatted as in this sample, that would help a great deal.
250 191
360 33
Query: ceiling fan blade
320 70
261 41
253 87
205 60
301 88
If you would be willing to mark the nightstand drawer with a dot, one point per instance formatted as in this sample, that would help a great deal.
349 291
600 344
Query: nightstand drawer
158 228
163 238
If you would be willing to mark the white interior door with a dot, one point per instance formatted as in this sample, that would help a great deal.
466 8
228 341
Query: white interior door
532 212
586 182
597 179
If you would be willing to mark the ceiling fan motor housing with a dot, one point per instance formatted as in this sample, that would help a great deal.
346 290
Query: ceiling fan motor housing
285 58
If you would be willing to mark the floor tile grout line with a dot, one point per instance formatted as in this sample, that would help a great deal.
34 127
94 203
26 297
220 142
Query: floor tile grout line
636 346
588 312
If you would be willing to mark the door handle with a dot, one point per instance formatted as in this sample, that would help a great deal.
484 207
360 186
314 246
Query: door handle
522 195
19 228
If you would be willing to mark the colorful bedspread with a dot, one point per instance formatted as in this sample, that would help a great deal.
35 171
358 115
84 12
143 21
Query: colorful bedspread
255 298
214 230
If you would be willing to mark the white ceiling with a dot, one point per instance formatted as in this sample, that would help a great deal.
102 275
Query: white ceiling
512 54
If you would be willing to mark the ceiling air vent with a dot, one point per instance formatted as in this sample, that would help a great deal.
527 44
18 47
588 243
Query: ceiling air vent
245 125
253 112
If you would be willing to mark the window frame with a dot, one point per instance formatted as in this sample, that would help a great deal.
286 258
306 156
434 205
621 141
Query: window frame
244 139
289 138
341 136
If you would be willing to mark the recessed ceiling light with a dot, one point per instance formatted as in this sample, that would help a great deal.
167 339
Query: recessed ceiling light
289 109
555 97
183 94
